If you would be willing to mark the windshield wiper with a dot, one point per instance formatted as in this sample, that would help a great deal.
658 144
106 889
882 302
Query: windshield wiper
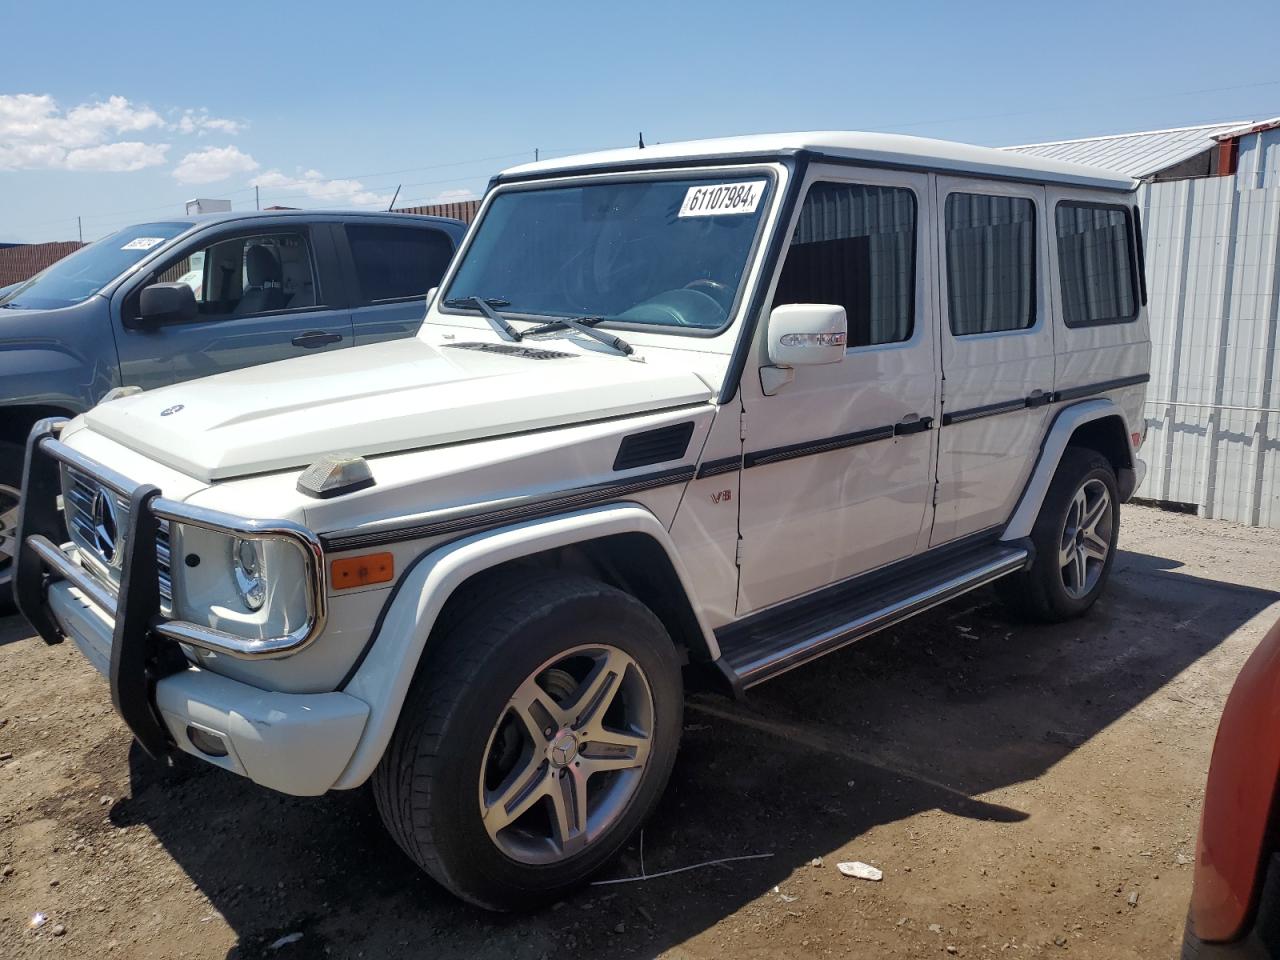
585 325
485 306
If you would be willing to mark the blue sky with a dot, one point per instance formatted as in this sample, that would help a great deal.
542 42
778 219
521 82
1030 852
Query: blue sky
119 114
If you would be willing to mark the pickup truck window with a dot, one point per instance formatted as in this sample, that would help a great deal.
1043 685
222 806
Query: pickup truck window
81 275
397 263
243 276
648 252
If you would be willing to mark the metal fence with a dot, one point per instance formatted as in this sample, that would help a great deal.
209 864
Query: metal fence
1213 407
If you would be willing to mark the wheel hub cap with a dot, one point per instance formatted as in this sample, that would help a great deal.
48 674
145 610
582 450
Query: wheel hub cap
563 749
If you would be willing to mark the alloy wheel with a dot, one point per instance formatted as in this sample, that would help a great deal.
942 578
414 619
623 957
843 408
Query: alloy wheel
567 754
9 497
1086 538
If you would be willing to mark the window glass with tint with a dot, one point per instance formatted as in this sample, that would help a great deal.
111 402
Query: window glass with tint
81 275
397 263
1095 260
991 263
855 246
244 276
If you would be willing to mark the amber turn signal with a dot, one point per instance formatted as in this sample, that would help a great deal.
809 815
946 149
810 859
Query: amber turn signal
362 571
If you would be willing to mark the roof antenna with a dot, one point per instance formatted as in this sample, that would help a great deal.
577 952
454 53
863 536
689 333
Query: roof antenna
394 196
641 147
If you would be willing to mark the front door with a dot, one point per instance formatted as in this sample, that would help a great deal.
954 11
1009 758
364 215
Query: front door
838 465
265 295
997 350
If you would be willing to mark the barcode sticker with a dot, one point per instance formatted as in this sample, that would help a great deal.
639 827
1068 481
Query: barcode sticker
722 199
142 243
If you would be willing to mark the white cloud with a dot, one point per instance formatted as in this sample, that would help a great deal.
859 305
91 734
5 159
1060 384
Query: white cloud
124 156
312 185
36 133
213 164
199 122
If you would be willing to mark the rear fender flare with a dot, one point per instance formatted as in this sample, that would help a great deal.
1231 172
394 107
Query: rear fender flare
383 679
1064 426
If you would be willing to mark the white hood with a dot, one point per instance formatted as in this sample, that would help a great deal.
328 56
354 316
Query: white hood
381 398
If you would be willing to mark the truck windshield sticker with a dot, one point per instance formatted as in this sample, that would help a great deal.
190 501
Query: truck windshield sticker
142 243
722 199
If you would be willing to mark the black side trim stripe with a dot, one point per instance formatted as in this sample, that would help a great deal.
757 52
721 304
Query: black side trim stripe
810 447
1040 399
1075 393
465 518
713 468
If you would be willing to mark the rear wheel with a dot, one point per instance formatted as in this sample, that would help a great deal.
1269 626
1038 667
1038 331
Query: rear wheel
538 735
1074 538
11 457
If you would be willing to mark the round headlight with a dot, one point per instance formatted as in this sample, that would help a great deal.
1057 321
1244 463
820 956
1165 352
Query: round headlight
246 563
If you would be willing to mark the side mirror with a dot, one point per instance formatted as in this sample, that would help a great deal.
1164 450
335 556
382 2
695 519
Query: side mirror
803 334
431 296
163 303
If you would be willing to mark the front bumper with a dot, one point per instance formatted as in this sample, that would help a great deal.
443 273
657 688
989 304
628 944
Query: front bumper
297 743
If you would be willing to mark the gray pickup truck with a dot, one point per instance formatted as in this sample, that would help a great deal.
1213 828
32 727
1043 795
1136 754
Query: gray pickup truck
156 303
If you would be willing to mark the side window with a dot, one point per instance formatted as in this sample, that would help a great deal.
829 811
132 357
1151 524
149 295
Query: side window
991 263
1095 260
244 276
855 246
397 263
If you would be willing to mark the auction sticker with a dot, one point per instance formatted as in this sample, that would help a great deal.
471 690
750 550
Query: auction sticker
722 199
142 243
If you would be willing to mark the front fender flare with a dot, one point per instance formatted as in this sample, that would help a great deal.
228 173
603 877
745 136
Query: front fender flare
383 679
1065 424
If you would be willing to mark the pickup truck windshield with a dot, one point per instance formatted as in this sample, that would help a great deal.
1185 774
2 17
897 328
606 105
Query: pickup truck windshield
81 275
652 252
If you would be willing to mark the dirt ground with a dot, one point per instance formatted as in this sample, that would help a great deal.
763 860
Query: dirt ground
1026 790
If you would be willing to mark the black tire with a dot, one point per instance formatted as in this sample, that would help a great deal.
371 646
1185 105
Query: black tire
428 784
11 460
1042 592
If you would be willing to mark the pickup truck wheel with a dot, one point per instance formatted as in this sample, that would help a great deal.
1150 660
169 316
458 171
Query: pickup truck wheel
538 735
1074 538
11 456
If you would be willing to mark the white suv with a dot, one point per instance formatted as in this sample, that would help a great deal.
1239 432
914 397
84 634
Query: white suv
724 406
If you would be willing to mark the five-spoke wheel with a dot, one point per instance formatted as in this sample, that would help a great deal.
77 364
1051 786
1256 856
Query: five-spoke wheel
1086 538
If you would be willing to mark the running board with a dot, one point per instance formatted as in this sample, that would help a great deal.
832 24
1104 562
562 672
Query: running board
782 638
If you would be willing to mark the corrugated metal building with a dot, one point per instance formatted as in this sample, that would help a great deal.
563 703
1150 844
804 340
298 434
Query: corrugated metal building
1211 216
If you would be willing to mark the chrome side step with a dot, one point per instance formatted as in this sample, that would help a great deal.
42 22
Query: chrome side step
779 640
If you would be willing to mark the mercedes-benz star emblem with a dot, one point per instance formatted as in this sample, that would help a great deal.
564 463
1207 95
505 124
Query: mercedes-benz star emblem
106 528
169 411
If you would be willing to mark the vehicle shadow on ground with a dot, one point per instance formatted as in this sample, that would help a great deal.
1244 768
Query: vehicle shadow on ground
928 715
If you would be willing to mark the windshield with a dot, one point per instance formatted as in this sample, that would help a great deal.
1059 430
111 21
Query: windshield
81 275
657 252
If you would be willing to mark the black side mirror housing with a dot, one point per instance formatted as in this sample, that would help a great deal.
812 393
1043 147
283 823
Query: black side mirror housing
163 303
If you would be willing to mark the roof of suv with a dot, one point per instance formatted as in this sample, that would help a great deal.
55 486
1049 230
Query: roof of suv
885 149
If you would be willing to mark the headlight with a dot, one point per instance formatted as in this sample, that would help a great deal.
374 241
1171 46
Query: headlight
247 567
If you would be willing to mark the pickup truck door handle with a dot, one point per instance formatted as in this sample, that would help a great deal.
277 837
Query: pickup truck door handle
316 338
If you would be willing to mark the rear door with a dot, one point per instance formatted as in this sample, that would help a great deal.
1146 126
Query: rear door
264 293
997 349
392 265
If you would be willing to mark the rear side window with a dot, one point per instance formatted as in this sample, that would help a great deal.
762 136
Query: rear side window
991 263
1096 262
855 246
397 263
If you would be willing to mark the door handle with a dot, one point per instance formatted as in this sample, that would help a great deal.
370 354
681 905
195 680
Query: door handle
316 338
1038 398
912 423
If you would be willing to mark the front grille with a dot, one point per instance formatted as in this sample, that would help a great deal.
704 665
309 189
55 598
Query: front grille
78 494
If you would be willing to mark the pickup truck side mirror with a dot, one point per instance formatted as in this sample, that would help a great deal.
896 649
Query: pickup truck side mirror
163 303
802 334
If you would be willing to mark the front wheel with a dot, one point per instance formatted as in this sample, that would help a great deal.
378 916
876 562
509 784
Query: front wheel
11 456
537 737
1074 538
